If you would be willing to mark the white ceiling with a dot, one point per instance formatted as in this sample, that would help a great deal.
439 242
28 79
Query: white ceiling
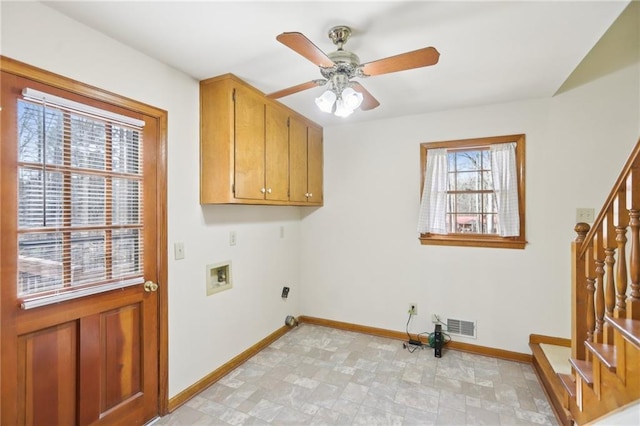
490 52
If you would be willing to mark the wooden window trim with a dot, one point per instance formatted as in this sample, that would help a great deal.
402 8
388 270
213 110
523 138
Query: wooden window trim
480 240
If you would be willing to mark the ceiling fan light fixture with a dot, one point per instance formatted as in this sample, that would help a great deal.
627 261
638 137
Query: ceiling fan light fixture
326 100
340 102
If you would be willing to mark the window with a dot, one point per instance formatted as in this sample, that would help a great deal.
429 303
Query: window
473 192
80 209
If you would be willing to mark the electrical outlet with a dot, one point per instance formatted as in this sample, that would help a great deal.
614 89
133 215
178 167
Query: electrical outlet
232 238
435 318
413 309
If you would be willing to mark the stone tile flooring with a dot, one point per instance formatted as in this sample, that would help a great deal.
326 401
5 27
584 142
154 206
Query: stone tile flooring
321 376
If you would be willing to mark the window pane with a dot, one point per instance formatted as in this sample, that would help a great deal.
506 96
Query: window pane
487 180
126 150
126 202
126 253
467 223
468 181
468 203
451 161
87 200
486 159
39 137
489 201
88 142
38 208
490 223
468 161
39 262
87 257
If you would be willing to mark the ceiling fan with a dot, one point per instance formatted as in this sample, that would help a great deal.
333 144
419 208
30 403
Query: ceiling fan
339 69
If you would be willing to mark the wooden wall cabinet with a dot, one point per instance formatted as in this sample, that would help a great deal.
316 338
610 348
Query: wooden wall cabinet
254 150
305 172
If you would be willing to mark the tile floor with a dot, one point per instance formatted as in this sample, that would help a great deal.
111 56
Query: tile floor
321 376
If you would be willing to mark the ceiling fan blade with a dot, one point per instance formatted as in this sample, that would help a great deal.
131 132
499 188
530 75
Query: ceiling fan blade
294 89
404 61
302 45
368 101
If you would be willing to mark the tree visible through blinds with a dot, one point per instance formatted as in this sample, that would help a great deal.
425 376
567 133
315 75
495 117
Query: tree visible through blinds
80 199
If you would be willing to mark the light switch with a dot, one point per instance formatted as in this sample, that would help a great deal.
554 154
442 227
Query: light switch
585 215
178 249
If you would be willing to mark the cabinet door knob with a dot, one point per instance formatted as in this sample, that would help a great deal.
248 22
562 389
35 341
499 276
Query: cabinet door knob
269 191
306 194
263 190
310 194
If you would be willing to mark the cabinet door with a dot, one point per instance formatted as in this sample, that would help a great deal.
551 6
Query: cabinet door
249 144
276 154
298 160
314 165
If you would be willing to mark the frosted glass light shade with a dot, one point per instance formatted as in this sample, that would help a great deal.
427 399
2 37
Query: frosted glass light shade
351 98
342 109
326 100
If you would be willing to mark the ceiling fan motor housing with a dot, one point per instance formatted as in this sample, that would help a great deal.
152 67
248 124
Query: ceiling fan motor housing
345 63
339 35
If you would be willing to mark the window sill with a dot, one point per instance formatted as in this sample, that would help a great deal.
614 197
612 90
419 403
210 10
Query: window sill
472 241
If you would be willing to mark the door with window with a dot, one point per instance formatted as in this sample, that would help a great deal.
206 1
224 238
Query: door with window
79 258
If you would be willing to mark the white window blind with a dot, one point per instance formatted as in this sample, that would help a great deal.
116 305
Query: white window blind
80 210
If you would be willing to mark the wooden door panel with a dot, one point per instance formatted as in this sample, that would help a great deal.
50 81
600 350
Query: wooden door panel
276 154
249 145
315 158
46 376
120 338
298 160
111 365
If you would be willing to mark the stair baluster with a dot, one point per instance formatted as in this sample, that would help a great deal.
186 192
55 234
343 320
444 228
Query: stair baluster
633 302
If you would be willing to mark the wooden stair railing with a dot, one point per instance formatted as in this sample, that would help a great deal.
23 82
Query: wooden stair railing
605 337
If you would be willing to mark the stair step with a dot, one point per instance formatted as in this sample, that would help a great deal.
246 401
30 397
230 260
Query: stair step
605 353
545 370
569 383
584 369
629 328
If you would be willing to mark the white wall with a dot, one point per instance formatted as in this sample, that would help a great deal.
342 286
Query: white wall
362 261
204 332
356 259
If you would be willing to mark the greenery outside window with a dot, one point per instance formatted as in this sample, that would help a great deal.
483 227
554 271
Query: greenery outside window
473 192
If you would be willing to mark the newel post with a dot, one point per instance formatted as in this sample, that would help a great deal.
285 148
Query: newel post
578 294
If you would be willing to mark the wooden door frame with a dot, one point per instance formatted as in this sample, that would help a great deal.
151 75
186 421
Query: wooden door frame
37 74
